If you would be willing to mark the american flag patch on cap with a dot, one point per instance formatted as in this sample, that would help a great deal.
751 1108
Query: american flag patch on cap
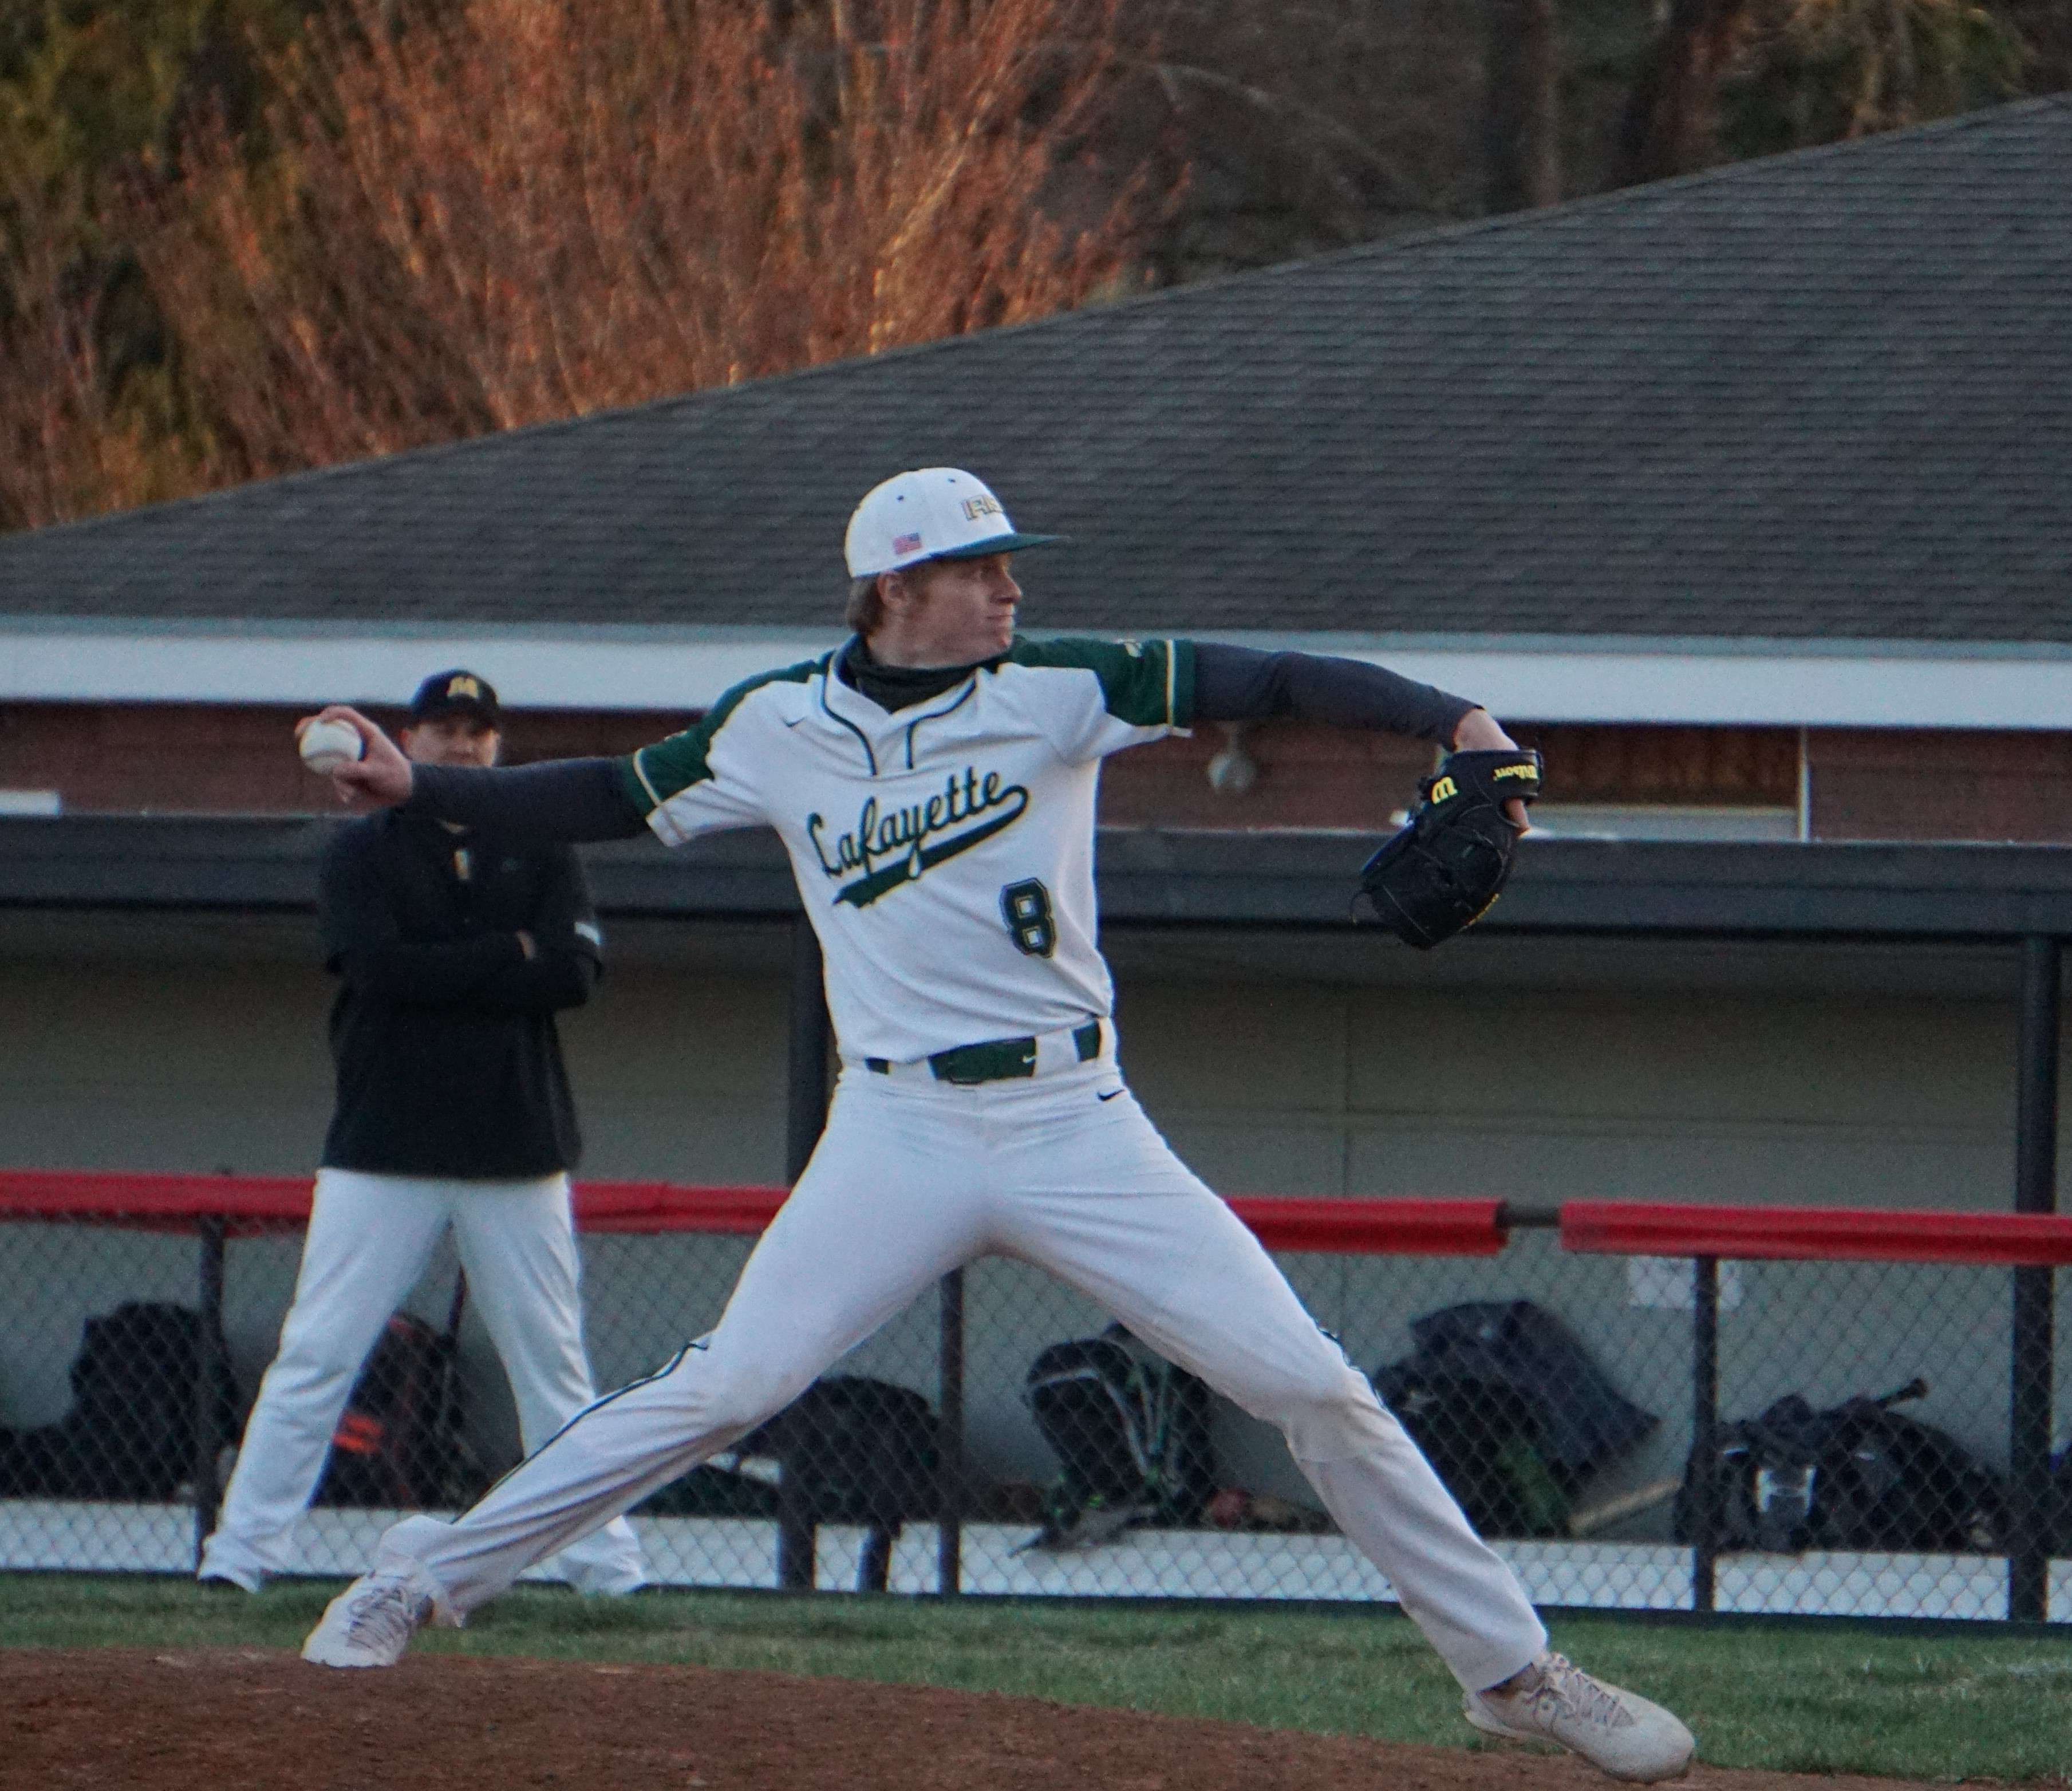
905 544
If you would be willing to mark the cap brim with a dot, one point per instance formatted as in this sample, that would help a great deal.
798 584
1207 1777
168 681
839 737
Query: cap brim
999 543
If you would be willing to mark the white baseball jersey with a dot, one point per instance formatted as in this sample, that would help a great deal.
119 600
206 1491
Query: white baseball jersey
944 852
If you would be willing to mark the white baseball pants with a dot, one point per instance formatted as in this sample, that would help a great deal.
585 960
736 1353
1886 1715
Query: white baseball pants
369 1238
914 1178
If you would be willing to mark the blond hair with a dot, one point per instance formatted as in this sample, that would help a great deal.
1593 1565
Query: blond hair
866 610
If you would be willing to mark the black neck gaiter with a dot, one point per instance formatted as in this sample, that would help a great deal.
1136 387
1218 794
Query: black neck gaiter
893 688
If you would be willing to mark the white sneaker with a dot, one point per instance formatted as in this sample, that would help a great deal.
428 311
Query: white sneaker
371 1623
1614 1730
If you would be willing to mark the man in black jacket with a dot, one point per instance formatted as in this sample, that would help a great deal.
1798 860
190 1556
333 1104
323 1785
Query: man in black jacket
454 953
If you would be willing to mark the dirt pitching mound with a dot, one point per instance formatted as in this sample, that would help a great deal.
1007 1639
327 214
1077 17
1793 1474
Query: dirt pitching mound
119 1719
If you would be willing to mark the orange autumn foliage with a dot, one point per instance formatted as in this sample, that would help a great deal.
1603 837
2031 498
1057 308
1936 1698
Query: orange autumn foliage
63 450
476 214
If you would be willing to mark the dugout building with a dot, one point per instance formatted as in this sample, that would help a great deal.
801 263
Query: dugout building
1743 496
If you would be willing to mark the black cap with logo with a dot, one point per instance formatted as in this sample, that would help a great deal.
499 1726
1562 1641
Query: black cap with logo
456 692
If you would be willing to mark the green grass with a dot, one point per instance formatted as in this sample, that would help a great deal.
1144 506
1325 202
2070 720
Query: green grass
1916 1705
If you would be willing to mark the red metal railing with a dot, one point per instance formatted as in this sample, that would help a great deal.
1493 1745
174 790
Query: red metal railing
1826 1233
215 1208
247 1203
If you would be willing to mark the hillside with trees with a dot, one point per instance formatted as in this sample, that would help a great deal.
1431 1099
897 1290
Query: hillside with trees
239 238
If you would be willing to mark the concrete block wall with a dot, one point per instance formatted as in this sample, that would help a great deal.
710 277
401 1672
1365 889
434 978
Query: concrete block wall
1266 1087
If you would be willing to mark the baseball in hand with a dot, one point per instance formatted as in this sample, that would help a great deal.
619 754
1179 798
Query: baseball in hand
326 746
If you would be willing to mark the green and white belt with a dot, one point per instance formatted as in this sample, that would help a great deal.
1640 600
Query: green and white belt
1001 1059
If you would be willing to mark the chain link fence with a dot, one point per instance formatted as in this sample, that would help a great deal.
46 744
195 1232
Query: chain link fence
1639 1418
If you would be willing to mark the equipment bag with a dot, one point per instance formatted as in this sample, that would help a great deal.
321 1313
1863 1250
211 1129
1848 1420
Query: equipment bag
1131 1433
710 1491
400 1441
1762 1472
1511 1411
1859 1475
1486 1443
863 1451
859 1451
1584 1420
131 1433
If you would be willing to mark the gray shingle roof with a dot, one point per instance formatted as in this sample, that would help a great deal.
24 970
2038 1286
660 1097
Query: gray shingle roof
1828 394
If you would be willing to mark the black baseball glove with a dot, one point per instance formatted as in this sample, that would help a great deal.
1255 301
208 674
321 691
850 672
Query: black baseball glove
1445 867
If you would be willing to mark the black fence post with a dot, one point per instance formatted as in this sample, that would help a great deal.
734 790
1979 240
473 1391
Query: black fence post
797 1544
949 1440
2030 1369
807 1109
1704 1431
806 1113
208 1377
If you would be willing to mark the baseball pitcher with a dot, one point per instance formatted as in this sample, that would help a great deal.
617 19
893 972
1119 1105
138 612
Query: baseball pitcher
933 780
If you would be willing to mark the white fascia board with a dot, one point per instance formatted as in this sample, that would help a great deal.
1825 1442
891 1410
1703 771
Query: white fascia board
1630 678
315 662
1722 683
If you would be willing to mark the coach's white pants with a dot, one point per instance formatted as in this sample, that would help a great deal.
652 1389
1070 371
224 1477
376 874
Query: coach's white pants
370 1237
913 1178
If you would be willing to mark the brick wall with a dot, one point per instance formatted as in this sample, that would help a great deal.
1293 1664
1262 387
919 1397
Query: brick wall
209 759
1903 784
1705 767
1893 784
231 759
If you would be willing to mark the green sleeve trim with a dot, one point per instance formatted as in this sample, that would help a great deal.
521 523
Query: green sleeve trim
634 781
1147 683
669 767
1180 663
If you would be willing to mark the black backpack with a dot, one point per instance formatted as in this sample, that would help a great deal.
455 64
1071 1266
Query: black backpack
709 1490
131 1433
400 1442
1857 1476
1512 1412
1486 1443
848 1450
863 1451
1131 1433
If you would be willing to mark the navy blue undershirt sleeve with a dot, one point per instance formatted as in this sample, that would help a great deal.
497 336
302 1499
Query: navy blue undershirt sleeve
1241 684
561 801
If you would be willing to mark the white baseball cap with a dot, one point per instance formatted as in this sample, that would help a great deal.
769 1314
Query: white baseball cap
936 513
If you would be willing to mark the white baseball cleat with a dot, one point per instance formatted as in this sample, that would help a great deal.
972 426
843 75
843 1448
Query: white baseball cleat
1613 1729
371 1623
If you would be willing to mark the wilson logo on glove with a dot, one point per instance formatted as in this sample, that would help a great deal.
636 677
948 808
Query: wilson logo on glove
1440 873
